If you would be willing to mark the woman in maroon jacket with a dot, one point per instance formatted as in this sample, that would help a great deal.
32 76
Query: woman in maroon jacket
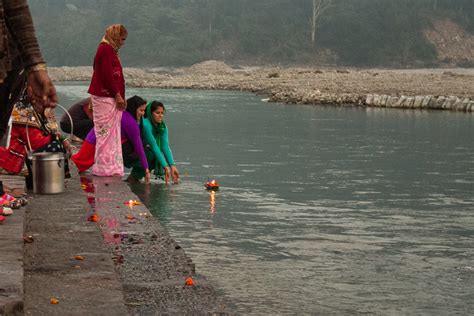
107 90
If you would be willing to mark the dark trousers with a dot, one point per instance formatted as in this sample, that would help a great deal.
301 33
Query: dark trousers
10 91
81 128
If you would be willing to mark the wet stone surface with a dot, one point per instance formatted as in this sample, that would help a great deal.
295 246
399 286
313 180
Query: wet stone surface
151 266
11 263
67 267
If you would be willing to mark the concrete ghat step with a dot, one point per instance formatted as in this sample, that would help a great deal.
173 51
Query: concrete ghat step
127 267
152 267
13 185
11 264
52 270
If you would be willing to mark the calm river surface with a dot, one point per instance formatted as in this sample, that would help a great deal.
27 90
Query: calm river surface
322 209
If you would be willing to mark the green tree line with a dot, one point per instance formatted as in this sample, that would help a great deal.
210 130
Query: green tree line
183 32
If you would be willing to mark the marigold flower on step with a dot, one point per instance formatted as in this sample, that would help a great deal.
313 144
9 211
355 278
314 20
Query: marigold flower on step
54 301
189 281
93 218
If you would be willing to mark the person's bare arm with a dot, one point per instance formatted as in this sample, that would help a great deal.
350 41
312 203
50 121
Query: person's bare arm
20 24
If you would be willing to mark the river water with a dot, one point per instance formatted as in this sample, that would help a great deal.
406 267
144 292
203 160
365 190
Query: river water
326 210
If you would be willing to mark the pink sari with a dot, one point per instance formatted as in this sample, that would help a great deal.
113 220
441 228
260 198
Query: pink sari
108 150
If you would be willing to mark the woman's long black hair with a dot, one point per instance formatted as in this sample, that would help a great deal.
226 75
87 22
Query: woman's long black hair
133 103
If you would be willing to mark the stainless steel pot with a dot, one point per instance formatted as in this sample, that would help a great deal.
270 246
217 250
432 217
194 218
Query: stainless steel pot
48 173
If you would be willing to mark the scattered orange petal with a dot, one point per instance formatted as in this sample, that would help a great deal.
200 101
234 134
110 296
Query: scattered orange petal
93 218
54 301
189 281
130 217
79 257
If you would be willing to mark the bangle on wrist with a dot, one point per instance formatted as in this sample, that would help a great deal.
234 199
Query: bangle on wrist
37 67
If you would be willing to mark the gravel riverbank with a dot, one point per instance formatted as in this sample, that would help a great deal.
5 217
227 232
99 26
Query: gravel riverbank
446 89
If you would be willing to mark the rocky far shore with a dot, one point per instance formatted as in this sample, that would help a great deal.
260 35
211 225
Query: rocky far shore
443 89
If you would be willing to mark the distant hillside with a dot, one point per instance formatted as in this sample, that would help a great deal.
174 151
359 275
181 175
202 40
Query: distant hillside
362 33
454 45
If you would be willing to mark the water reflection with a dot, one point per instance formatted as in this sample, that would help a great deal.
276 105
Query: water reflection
212 202
112 234
156 196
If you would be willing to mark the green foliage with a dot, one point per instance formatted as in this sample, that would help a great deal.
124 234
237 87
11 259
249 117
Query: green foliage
180 33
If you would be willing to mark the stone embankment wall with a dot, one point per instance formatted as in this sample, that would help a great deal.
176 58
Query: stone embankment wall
452 103
421 102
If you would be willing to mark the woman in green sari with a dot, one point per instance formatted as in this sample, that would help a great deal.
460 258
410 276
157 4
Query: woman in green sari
157 149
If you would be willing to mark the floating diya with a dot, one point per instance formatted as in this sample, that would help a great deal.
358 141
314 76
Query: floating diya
212 185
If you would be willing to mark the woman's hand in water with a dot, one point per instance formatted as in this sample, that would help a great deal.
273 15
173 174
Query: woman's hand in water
174 174
167 174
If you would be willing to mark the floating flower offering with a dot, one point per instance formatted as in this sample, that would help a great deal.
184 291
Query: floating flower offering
212 185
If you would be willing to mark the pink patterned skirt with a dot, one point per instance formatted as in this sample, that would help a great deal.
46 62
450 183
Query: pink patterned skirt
108 150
